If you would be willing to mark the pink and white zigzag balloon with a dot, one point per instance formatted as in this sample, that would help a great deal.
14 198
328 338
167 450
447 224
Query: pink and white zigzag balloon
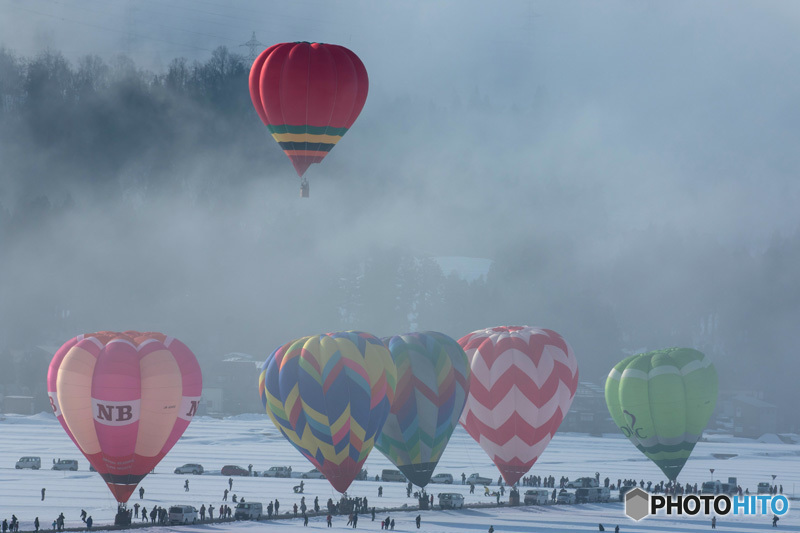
522 384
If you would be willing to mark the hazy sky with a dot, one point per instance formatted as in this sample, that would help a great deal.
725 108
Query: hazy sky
499 122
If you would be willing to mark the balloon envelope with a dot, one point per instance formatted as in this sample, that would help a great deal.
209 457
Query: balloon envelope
432 385
329 395
308 95
522 385
124 399
662 401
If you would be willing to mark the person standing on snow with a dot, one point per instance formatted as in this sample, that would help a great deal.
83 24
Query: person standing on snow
186 485
141 493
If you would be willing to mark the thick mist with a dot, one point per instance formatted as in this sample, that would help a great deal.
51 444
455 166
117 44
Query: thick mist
628 168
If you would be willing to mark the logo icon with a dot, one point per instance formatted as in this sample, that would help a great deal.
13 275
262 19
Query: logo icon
637 504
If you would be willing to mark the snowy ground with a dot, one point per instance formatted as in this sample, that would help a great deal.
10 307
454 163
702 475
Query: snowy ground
252 439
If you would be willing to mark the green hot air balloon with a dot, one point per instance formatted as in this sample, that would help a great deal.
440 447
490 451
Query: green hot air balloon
662 401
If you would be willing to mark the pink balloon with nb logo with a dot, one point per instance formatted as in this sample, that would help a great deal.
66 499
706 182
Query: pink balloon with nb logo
124 399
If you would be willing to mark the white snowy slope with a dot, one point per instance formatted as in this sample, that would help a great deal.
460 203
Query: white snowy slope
252 439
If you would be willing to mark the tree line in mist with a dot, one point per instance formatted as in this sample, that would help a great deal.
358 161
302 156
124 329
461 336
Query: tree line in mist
109 125
92 120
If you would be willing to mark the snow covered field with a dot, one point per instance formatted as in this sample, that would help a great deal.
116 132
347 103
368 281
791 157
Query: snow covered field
252 439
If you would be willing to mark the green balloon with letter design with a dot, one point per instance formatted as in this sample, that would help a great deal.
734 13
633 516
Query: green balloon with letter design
662 401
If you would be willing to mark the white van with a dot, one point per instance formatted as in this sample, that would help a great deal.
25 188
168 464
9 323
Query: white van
392 475
65 464
451 500
248 511
537 496
603 494
711 487
34 463
183 514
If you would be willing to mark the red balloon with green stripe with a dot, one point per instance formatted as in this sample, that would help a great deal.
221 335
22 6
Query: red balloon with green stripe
308 95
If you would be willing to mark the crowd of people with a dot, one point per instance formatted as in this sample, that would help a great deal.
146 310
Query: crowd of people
352 507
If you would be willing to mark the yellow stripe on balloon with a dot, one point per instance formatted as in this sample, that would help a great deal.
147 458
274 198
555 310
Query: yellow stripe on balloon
315 415
162 392
337 424
306 137
74 391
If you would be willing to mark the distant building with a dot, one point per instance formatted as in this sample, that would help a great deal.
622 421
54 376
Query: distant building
236 376
746 414
212 402
588 412
753 417
19 405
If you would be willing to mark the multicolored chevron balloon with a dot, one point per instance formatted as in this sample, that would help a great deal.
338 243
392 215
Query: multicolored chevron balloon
432 386
329 395
662 401
523 382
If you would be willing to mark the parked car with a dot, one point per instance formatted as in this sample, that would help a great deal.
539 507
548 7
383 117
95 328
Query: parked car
763 488
65 464
183 514
248 511
582 482
536 497
190 468
34 463
233 470
451 500
279 471
476 479
312 474
565 497
442 478
392 475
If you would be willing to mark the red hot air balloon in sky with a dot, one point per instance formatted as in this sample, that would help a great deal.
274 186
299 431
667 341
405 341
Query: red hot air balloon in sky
522 383
308 95
124 399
